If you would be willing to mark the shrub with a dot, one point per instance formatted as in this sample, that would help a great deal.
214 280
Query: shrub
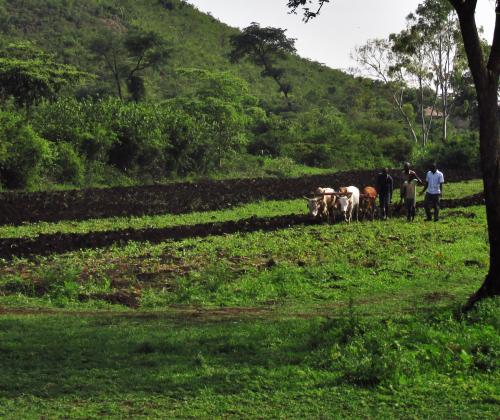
61 282
22 151
68 166
310 154
458 153
397 149
367 360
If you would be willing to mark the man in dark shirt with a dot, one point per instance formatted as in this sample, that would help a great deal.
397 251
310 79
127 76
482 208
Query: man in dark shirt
385 186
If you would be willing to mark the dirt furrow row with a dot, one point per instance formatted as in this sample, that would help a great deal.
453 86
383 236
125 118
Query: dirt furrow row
175 198
47 244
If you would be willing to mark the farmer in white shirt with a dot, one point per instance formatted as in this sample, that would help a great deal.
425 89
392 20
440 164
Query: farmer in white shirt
434 186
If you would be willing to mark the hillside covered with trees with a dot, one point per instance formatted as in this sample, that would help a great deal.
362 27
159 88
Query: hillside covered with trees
105 92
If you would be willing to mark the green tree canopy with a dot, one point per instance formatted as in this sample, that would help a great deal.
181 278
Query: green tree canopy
264 47
127 55
29 75
221 103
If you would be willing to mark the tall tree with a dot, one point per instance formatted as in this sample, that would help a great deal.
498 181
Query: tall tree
423 56
486 74
222 104
146 50
436 24
127 55
378 60
265 47
413 63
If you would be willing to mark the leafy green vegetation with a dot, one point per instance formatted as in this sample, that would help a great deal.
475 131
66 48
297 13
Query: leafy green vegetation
28 74
22 152
186 109
300 266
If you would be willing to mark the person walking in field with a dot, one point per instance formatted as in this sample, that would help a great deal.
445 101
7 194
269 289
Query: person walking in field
434 186
410 196
406 175
385 187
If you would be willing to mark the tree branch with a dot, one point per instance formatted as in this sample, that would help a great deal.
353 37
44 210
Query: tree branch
494 60
295 4
466 10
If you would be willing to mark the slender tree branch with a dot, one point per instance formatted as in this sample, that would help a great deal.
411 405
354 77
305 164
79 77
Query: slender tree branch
472 43
494 60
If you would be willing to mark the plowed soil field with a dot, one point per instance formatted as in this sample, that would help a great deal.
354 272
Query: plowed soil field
61 243
175 198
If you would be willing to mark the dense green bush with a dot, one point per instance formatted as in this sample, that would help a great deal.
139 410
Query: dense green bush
68 165
397 149
323 137
461 152
85 124
22 151
396 352
188 135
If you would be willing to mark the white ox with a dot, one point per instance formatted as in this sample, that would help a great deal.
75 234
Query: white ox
323 204
348 202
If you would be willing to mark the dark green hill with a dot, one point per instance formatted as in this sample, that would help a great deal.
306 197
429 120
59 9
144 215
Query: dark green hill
67 27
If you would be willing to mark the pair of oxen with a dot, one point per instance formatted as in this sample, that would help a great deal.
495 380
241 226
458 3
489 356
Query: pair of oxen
346 202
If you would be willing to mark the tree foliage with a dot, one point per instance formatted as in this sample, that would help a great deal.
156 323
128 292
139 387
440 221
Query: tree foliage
425 56
29 75
265 47
429 48
22 151
127 55
223 104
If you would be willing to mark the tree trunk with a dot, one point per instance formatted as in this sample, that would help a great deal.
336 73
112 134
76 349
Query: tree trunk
399 105
486 83
445 127
422 111
490 163
118 84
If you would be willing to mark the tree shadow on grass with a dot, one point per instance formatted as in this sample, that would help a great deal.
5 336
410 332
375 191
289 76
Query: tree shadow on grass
56 356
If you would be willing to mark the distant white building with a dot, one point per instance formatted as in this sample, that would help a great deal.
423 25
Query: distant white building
435 113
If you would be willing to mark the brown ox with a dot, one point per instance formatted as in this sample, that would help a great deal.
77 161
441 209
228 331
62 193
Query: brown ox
323 204
368 198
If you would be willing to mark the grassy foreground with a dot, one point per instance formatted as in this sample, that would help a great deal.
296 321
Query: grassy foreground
312 322
414 366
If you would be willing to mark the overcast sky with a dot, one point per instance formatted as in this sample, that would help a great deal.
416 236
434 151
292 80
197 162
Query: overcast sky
342 25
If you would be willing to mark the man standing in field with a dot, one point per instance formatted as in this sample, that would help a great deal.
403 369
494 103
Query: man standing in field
410 196
434 186
407 175
385 186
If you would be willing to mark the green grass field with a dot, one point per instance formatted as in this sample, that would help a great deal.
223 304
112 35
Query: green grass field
300 266
405 366
357 321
